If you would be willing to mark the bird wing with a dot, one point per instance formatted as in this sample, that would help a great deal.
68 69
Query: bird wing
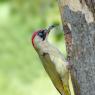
54 75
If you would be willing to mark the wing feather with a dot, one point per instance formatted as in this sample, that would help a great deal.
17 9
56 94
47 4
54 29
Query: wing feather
54 75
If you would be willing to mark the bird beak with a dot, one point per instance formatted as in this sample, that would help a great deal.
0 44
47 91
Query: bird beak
50 28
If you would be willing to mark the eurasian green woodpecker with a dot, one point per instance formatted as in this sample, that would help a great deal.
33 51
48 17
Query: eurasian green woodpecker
53 61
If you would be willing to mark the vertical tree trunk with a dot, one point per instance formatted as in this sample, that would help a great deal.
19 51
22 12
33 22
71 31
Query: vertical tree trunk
78 18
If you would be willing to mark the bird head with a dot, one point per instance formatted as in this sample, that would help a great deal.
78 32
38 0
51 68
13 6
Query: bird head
40 36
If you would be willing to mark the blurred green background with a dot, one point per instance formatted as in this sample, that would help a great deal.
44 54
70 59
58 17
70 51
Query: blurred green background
21 72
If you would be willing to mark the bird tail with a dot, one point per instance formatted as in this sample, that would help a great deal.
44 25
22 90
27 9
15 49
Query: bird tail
73 85
66 90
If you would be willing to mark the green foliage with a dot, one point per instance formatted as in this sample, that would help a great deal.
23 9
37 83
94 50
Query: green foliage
21 72
1 1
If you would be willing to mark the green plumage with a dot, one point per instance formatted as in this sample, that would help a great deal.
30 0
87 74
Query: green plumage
55 65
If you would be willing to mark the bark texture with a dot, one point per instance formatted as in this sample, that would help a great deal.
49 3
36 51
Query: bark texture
78 18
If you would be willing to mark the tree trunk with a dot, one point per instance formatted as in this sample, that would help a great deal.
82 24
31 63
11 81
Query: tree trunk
78 19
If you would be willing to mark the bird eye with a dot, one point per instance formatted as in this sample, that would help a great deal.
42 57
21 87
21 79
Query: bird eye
42 34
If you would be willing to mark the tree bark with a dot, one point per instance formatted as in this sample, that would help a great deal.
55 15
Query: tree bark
78 19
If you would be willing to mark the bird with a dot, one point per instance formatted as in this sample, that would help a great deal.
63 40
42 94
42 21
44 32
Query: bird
53 61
